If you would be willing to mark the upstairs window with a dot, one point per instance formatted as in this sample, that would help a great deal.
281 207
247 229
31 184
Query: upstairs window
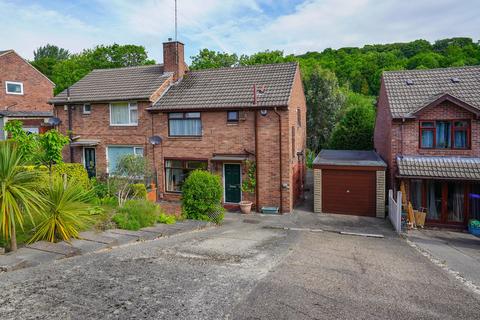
123 114
184 124
87 108
14 87
232 116
445 134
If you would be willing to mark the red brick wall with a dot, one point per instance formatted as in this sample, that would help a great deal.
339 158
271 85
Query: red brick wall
36 88
383 131
170 61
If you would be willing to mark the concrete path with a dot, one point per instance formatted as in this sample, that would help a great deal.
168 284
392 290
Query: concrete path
244 269
456 251
46 252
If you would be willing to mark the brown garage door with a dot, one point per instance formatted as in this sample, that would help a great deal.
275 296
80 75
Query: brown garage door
348 192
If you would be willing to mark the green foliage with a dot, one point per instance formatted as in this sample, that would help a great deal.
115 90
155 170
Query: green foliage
27 143
130 169
309 158
138 191
67 210
46 57
67 72
474 223
249 184
324 101
265 57
18 191
355 129
166 219
207 59
102 189
51 145
136 214
75 172
202 196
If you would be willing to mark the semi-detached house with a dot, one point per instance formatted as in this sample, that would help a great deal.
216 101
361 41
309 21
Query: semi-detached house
213 119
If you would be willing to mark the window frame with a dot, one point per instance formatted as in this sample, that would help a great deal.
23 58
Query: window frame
235 120
131 105
84 111
453 129
184 166
135 148
14 83
184 117
299 118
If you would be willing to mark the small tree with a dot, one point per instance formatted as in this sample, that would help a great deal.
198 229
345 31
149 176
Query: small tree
51 145
250 183
130 169
355 129
202 196
27 143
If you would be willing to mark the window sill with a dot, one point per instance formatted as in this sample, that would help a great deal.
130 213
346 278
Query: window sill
185 137
15 94
123 125
232 123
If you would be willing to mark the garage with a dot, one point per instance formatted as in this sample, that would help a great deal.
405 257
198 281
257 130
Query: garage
349 182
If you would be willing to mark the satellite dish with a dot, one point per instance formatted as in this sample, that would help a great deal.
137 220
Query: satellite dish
263 112
54 121
155 140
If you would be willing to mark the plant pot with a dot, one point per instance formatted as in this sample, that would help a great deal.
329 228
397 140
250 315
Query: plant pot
245 206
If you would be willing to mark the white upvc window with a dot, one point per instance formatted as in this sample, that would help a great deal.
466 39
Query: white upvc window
87 108
114 153
12 87
123 114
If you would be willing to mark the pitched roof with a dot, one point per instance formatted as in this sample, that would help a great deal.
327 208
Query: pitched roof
409 90
7 113
439 167
231 87
116 84
4 52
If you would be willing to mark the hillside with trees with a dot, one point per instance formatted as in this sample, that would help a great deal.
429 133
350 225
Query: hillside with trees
341 85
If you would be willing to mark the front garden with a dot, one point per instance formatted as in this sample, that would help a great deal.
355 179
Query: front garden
43 198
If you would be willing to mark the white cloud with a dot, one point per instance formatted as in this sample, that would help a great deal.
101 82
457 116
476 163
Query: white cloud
243 26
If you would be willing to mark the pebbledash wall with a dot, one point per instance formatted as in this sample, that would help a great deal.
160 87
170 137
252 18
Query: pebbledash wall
218 136
397 137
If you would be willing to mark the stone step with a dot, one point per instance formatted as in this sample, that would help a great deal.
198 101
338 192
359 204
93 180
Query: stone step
11 263
62 248
99 237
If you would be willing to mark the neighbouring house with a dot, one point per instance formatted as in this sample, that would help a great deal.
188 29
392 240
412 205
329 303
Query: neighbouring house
24 94
427 130
211 119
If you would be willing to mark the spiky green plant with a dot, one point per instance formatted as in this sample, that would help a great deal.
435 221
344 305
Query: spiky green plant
66 211
18 195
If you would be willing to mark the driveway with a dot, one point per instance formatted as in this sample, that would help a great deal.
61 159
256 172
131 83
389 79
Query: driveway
248 268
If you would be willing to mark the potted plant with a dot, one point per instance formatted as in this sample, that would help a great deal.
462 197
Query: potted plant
248 186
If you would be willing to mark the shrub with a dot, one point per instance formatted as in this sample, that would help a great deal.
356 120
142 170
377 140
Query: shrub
166 219
202 196
66 211
136 214
138 191
74 171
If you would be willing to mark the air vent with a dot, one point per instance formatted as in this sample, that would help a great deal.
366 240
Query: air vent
409 82
455 80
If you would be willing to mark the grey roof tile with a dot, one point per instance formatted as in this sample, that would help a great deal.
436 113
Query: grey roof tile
7 113
439 167
116 84
428 84
230 87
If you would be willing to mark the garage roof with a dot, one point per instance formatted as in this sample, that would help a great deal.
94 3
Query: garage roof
348 158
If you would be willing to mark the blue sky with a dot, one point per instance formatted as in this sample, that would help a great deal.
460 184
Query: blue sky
241 26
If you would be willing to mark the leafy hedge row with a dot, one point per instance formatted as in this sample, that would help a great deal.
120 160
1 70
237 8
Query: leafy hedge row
74 171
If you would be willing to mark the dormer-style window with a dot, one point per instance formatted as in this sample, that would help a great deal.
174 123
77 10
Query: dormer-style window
451 134
14 87
123 114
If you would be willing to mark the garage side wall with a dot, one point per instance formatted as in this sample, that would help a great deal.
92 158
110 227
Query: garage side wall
317 187
380 205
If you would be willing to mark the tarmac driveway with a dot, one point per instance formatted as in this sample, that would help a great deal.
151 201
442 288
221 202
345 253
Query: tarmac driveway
250 268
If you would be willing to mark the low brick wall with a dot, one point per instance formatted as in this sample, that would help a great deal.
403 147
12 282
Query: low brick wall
317 190
380 194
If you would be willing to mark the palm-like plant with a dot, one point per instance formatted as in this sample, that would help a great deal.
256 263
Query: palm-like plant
66 211
18 196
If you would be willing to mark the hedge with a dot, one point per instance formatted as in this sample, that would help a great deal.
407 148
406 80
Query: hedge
72 170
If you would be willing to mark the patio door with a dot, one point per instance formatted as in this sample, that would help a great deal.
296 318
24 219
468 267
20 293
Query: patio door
232 180
446 201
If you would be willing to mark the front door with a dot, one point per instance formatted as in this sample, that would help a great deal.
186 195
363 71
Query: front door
90 165
232 180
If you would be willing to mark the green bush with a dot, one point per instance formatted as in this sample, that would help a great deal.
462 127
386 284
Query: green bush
74 171
166 219
136 214
202 196
310 157
138 191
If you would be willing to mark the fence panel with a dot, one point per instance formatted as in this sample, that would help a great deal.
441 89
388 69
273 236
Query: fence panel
395 210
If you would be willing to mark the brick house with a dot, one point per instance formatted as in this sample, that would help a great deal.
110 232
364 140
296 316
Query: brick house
427 130
24 94
211 119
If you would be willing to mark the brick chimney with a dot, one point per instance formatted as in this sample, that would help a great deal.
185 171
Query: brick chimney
173 59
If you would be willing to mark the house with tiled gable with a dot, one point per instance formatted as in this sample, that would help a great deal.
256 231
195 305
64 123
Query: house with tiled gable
184 120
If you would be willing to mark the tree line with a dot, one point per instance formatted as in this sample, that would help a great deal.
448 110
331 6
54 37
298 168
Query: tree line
340 85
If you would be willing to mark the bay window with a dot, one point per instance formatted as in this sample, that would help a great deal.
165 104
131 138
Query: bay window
176 171
114 153
186 124
451 134
123 114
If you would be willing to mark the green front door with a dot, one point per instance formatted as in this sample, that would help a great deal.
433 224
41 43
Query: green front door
233 191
